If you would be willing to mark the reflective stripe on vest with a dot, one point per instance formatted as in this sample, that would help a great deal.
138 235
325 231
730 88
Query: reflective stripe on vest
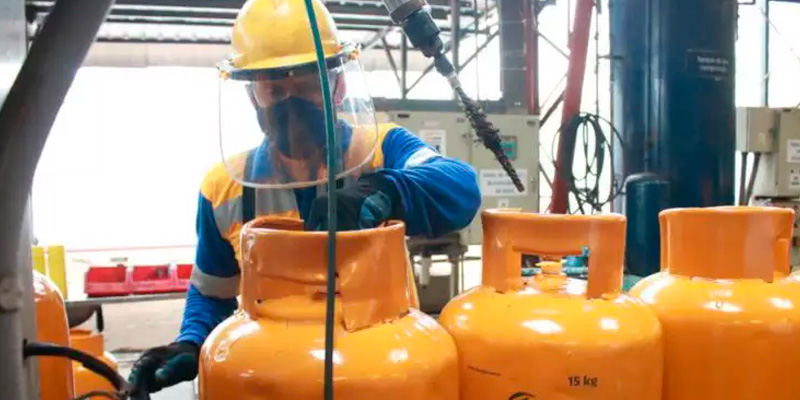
269 201
214 286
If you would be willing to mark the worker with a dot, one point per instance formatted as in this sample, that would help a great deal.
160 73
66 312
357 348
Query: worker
274 147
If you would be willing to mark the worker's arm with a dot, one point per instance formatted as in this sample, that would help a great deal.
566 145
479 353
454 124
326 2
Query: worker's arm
210 299
215 279
438 194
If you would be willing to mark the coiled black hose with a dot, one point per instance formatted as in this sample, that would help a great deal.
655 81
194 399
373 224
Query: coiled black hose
40 349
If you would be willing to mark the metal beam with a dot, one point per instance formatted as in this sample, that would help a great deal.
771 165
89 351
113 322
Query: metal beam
25 121
404 67
392 64
531 10
440 9
513 74
377 38
447 47
477 51
455 27
383 104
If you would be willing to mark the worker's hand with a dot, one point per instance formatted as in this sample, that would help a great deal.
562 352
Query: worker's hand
371 201
163 366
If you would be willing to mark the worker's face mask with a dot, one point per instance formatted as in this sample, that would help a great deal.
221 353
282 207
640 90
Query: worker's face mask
296 126
276 136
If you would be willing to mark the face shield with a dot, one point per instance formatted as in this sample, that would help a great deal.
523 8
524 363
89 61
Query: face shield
272 123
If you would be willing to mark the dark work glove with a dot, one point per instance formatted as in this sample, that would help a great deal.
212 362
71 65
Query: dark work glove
163 366
372 200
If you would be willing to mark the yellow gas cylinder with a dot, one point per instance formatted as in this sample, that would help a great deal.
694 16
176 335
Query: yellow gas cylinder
273 348
85 380
731 329
548 336
55 374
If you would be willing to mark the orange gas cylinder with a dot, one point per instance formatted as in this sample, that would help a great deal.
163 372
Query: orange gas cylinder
91 343
731 329
55 374
273 348
548 336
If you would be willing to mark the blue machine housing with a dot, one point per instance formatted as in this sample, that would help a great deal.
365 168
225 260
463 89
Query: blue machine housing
674 106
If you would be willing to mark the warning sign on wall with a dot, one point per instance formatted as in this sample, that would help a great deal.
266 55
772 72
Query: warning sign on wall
496 183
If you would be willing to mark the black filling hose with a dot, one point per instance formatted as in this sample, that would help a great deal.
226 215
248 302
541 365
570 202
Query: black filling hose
34 349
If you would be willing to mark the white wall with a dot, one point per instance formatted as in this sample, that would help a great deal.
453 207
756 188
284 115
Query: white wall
125 158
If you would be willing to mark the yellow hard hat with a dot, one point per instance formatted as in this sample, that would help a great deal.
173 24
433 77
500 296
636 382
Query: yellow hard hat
275 34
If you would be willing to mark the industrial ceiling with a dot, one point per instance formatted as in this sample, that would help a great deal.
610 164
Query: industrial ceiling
208 21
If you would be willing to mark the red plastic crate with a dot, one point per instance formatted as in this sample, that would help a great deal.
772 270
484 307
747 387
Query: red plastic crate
107 281
183 272
150 279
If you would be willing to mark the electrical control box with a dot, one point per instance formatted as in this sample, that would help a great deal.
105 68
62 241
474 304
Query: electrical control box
755 129
778 170
451 134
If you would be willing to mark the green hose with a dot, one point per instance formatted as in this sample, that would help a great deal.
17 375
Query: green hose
331 144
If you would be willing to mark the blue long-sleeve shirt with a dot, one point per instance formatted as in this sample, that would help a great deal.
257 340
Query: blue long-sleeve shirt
438 194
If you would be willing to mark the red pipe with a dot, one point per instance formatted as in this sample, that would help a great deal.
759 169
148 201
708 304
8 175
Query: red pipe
578 45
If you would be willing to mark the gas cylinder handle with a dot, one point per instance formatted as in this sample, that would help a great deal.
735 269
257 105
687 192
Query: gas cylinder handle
282 263
748 242
509 234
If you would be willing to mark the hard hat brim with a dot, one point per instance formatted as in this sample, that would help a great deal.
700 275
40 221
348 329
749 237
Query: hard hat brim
281 67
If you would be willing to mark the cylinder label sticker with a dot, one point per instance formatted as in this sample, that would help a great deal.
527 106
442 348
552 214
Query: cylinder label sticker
496 183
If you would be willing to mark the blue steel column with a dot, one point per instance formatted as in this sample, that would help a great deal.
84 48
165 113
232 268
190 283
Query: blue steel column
692 111
673 81
629 72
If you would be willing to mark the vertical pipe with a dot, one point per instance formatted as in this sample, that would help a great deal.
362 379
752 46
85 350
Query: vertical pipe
578 45
513 57
403 66
455 31
12 54
29 319
765 41
532 56
477 26
25 121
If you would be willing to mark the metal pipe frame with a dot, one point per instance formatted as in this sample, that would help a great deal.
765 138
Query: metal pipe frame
440 9
392 63
455 29
448 47
25 121
531 55
458 67
765 61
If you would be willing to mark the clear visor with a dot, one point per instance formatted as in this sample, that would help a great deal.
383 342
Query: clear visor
273 130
